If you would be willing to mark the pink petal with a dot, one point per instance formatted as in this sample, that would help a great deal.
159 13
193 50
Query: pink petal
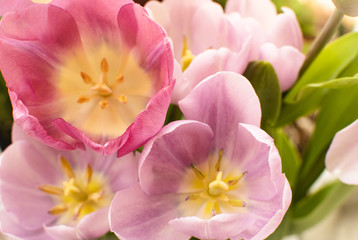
96 19
137 216
254 151
267 226
150 41
286 30
286 61
222 101
206 27
34 128
23 169
341 159
163 163
262 10
91 226
7 6
220 227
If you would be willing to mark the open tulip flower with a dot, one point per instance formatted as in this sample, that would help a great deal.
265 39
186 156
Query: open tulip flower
87 73
216 178
51 194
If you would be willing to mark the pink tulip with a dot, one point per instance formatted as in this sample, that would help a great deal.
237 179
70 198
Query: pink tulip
87 73
216 178
52 194
277 38
205 40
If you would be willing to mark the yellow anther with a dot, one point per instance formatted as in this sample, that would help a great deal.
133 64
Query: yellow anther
103 104
192 197
82 99
86 78
218 186
122 99
186 56
51 189
236 180
120 78
96 196
236 203
104 65
197 172
218 164
88 174
66 168
77 210
58 209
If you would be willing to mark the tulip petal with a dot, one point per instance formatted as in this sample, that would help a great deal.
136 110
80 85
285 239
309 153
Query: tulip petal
163 164
286 31
222 101
7 6
341 159
220 227
135 215
286 61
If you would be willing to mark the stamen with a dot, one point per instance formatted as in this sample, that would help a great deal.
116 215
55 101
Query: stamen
66 168
96 196
197 172
218 164
236 180
236 203
213 212
120 78
192 197
104 66
51 189
103 103
122 99
88 174
86 78
58 209
82 99
78 210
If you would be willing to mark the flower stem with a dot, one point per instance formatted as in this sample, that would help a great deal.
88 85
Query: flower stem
322 39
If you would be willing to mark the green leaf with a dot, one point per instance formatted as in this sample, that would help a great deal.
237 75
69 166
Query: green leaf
337 60
310 98
331 61
265 82
338 109
289 154
5 115
317 206
174 113
108 236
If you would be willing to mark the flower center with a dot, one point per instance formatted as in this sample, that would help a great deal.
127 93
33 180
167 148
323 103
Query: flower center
216 192
102 88
78 195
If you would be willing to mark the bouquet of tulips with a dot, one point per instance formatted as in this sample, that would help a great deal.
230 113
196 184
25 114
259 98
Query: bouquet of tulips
170 121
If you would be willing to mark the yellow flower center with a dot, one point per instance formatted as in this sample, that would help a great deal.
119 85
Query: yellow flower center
102 89
79 194
213 190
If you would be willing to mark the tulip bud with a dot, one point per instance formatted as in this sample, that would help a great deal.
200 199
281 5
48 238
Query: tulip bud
348 7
